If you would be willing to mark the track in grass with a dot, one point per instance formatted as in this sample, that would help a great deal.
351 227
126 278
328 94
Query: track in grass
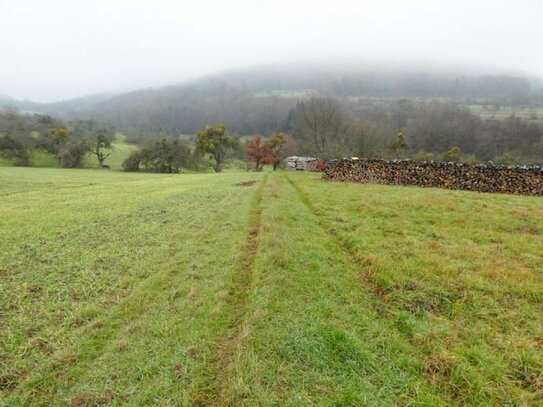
209 390
145 289
353 259
124 304
462 367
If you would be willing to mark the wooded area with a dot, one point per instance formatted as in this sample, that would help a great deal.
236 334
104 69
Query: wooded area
326 115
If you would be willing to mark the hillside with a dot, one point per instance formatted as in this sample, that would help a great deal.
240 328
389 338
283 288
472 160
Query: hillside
62 109
258 100
352 111
211 289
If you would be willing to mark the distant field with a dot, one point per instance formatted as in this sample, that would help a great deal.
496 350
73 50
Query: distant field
208 289
533 114
119 151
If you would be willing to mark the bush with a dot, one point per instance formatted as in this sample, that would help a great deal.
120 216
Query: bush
132 162
73 154
11 148
505 160
453 155
424 156
470 159
320 165
166 156
23 161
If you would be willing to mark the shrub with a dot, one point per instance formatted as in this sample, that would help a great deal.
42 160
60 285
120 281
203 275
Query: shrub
13 149
320 165
453 155
505 160
424 156
132 162
73 154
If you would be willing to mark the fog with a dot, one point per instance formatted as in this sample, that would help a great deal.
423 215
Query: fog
59 49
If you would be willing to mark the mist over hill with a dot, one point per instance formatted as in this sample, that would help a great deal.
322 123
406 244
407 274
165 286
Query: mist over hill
259 99
475 111
61 109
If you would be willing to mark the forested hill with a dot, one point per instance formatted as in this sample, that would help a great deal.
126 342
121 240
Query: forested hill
259 100
64 109
390 82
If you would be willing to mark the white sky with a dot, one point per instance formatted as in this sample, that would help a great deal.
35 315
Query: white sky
57 49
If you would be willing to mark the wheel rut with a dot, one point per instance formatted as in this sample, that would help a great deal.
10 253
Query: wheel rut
210 391
353 258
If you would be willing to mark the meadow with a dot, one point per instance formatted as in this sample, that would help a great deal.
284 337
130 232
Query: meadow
119 151
532 113
272 288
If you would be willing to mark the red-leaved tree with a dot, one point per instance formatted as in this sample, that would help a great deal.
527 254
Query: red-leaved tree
259 152
321 166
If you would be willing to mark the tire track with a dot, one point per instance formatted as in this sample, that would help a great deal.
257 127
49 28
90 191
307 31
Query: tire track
346 246
355 260
210 391
103 330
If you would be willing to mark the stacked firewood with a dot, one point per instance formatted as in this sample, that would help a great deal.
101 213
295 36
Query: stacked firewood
485 178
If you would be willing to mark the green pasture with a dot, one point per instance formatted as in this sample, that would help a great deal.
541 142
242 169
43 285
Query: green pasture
265 289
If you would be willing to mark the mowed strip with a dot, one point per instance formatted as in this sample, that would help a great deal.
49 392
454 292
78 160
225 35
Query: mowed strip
211 387
212 290
124 302
312 335
458 273
376 295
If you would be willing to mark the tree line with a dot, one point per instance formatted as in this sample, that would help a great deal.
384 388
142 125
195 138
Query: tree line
212 146
68 143
427 130
316 126
331 127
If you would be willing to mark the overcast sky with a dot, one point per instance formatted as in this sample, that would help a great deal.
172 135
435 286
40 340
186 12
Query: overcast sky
57 49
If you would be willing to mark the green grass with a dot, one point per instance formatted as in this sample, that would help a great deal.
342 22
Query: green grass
148 289
38 158
120 150
42 159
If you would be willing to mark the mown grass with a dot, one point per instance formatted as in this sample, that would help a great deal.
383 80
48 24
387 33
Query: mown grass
201 289
112 282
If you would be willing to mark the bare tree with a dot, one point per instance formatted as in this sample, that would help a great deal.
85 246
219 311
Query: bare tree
322 120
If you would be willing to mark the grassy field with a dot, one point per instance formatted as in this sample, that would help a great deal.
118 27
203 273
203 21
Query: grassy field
120 150
209 289
531 113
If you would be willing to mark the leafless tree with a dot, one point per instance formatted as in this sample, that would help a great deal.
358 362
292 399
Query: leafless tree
322 120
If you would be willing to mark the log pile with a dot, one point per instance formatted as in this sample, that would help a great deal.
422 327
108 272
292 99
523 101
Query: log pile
484 178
